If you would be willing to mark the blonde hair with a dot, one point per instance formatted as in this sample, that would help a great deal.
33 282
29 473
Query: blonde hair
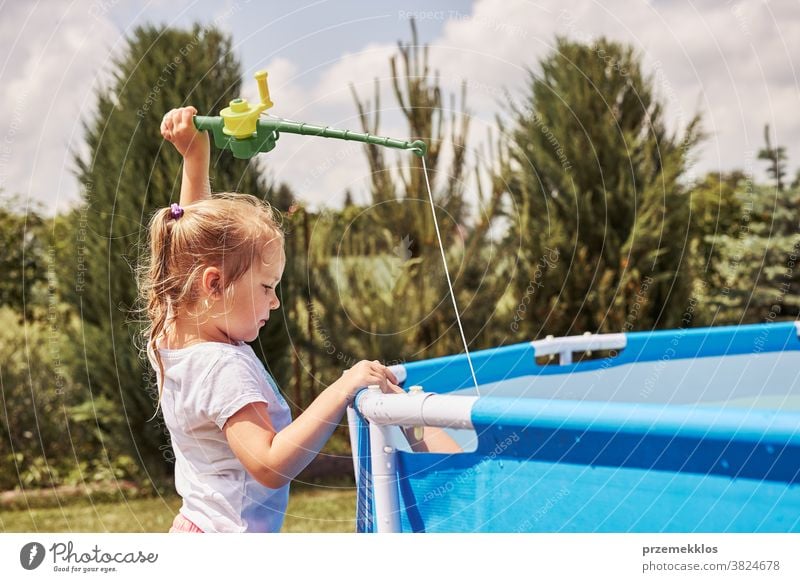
228 231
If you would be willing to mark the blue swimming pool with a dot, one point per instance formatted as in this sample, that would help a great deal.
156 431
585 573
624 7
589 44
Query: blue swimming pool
688 430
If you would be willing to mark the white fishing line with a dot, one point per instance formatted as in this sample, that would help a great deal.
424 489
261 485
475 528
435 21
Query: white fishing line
447 274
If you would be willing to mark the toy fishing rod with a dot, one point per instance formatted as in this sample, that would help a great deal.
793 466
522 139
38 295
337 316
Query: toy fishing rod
240 128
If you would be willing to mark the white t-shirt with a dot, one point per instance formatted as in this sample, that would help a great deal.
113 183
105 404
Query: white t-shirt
206 384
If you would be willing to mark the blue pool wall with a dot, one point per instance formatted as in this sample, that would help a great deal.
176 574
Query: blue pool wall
588 465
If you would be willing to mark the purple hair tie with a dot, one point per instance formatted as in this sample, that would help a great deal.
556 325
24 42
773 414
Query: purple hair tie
175 211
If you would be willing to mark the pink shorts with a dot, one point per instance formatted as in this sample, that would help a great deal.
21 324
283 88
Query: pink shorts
183 525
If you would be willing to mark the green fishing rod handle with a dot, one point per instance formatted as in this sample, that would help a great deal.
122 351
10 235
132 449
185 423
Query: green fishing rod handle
242 148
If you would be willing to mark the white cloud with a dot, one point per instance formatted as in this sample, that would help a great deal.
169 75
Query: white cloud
55 57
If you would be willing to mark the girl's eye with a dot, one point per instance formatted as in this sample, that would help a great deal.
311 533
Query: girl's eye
267 287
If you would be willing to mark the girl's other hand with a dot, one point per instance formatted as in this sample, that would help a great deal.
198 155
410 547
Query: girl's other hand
178 128
367 373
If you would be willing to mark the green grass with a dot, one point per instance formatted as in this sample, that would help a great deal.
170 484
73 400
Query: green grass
311 509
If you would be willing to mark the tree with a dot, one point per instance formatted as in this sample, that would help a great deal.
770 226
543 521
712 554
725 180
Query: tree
716 210
129 172
405 257
776 157
23 260
752 269
401 207
755 274
596 183
281 196
45 401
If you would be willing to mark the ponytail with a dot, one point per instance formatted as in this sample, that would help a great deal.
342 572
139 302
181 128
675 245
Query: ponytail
156 289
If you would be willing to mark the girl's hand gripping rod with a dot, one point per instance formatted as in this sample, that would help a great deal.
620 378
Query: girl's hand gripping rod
239 129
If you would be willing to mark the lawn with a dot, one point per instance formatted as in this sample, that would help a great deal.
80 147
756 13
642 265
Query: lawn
312 508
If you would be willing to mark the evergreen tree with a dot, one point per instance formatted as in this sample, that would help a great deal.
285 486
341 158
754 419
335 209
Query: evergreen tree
281 196
776 157
23 261
381 289
716 210
755 275
402 205
599 215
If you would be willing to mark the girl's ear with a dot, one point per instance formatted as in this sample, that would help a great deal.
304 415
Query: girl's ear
211 281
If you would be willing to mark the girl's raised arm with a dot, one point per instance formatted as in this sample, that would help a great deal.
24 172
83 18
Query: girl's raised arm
178 128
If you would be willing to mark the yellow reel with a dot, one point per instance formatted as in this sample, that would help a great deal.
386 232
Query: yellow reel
240 118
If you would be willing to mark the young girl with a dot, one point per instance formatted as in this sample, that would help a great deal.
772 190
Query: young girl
209 287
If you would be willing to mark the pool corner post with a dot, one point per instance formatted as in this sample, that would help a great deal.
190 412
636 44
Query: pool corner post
384 477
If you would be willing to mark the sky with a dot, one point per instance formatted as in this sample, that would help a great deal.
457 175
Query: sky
735 62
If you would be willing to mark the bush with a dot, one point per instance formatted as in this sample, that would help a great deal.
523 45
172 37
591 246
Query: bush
52 429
